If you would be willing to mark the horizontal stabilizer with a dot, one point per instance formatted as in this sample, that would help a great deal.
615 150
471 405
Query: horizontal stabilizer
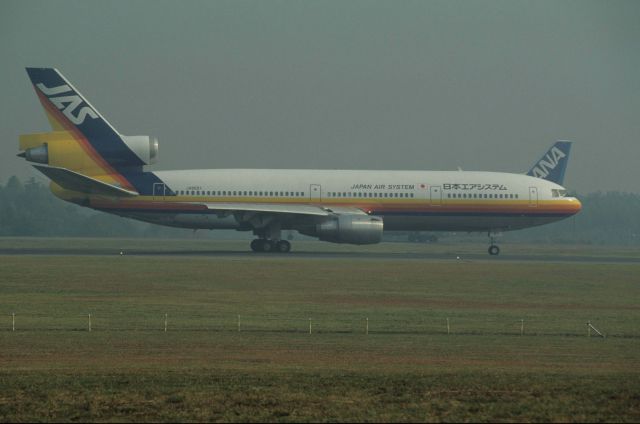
77 182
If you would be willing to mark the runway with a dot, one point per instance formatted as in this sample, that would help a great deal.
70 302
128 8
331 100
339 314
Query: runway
320 255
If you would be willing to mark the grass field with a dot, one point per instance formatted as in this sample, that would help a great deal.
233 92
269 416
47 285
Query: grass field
409 367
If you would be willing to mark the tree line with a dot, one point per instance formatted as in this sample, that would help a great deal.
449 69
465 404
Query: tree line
30 209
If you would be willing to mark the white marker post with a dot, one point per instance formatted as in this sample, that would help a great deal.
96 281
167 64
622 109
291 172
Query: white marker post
309 325
238 323
594 329
367 332
13 321
165 322
89 323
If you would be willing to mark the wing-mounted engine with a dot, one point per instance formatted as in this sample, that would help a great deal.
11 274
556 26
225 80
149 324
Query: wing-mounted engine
352 229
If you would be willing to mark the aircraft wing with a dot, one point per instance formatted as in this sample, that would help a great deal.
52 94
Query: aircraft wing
71 180
291 209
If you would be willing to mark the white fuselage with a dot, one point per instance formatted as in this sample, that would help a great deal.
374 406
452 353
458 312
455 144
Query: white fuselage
406 200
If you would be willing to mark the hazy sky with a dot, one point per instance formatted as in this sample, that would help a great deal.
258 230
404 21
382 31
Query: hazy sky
484 85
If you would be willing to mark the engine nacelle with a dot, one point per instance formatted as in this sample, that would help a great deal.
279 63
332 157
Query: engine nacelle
144 146
38 154
353 229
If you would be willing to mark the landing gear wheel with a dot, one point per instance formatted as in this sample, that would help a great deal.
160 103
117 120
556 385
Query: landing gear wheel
255 245
266 246
283 246
494 250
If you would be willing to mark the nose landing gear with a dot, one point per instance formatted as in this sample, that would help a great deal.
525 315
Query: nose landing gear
493 250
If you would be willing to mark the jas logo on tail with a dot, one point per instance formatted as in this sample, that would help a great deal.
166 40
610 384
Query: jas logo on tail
548 163
68 103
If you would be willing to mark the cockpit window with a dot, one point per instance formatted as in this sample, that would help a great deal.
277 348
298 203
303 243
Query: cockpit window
558 192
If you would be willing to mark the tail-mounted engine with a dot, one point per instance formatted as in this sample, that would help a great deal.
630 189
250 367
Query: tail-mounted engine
61 149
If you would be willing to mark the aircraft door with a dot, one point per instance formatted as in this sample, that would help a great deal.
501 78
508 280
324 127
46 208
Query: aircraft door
315 192
533 197
159 190
436 195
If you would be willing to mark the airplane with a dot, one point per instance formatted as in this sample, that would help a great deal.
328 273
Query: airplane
91 164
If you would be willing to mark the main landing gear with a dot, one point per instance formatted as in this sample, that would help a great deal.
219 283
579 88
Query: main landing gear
268 246
270 238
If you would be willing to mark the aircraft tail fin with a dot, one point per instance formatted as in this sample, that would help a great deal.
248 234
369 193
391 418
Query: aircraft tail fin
82 140
553 164
66 108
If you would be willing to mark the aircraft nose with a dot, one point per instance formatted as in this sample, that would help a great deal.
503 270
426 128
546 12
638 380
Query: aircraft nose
577 205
